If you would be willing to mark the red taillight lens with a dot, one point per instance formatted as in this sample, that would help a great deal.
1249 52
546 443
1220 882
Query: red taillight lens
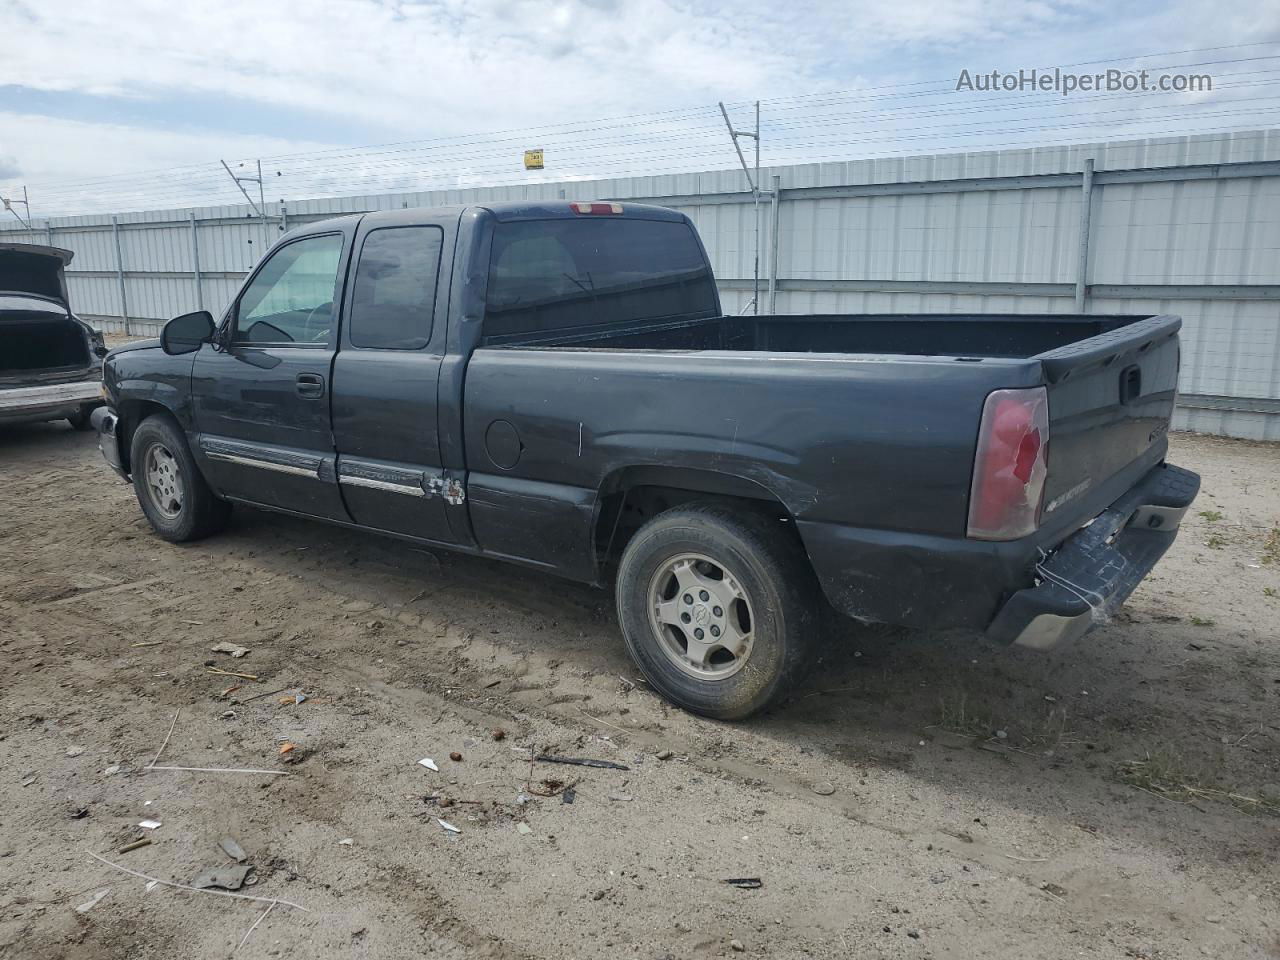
1011 463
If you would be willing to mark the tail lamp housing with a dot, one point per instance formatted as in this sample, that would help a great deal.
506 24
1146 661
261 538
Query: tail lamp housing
1010 465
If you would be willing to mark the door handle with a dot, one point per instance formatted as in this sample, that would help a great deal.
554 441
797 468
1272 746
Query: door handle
309 385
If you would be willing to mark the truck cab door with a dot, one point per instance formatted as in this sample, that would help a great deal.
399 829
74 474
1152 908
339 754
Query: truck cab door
260 395
385 380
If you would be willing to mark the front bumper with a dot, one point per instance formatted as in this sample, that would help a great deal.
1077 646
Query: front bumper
1088 578
104 421
47 402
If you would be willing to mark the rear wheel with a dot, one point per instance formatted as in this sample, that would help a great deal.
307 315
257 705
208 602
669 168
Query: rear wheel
172 493
718 608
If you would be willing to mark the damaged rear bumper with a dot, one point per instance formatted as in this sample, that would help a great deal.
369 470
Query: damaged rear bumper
1088 578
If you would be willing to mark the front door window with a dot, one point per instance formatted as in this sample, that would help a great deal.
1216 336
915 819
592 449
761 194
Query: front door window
290 301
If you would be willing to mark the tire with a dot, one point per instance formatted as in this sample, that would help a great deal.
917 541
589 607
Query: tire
171 491
739 557
80 419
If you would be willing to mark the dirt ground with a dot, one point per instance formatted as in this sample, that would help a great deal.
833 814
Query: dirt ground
925 797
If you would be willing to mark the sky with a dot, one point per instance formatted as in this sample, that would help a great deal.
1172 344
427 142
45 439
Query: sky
130 104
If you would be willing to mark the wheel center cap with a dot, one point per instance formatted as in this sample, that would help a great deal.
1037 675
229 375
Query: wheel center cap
701 615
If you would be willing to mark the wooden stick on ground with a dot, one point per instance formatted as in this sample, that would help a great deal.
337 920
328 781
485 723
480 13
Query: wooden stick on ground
166 738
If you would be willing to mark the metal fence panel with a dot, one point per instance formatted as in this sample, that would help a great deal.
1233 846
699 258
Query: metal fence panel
1187 225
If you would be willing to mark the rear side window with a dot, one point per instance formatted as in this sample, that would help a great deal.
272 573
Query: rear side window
395 288
549 275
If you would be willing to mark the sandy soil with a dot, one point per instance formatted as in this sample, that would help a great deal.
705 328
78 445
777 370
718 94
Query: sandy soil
926 797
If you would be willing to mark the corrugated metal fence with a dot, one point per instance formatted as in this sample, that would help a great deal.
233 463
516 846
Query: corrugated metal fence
1186 225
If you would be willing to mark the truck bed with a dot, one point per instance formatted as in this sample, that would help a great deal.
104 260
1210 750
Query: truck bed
963 336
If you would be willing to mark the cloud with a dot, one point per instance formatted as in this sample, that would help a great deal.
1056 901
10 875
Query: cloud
402 70
9 169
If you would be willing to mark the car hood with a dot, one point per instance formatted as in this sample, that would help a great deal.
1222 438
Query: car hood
28 269
133 345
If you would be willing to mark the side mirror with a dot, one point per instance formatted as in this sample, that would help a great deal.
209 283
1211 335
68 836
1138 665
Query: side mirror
186 333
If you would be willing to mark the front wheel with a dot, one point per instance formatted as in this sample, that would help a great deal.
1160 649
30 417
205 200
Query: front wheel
718 607
172 493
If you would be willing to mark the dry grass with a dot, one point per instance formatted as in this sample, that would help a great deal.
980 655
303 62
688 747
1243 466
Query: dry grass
1166 775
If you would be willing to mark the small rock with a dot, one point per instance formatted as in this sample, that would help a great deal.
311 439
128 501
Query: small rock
737 946
622 797
111 770
1002 735
233 850
74 751
456 757
664 754
1213 918
497 733
824 788
913 934
226 878
524 828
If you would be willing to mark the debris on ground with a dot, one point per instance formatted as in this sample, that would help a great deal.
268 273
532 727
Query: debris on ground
664 754
287 747
229 673
745 883
233 850
447 825
235 650
621 797
293 699
429 764
223 877
346 842
74 751
497 733
824 788
569 795
111 770
737 946
456 757
93 901
136 845
581 762
150 824
79 813
523 827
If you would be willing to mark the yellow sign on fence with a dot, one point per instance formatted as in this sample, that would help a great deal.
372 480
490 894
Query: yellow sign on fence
533 159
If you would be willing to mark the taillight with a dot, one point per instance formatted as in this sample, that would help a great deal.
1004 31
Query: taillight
1011 464
606 208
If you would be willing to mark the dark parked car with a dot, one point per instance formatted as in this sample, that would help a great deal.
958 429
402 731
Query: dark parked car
50 360
555 384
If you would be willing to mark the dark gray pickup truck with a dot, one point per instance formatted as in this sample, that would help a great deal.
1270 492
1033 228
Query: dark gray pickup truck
555 384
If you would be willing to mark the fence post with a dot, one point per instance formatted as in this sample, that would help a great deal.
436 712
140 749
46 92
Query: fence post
773 245
124 300
195 261
1086 208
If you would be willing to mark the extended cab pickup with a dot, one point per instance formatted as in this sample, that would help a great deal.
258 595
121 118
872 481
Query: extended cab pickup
555 384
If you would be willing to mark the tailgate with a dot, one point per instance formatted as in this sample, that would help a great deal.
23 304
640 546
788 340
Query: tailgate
1111 398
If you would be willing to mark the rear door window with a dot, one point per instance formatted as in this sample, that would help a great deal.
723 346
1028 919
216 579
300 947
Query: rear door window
395 288
547 275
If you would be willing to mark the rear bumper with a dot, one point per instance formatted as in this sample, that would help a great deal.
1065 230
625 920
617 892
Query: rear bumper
931 582
104 422
1088 578
47 402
